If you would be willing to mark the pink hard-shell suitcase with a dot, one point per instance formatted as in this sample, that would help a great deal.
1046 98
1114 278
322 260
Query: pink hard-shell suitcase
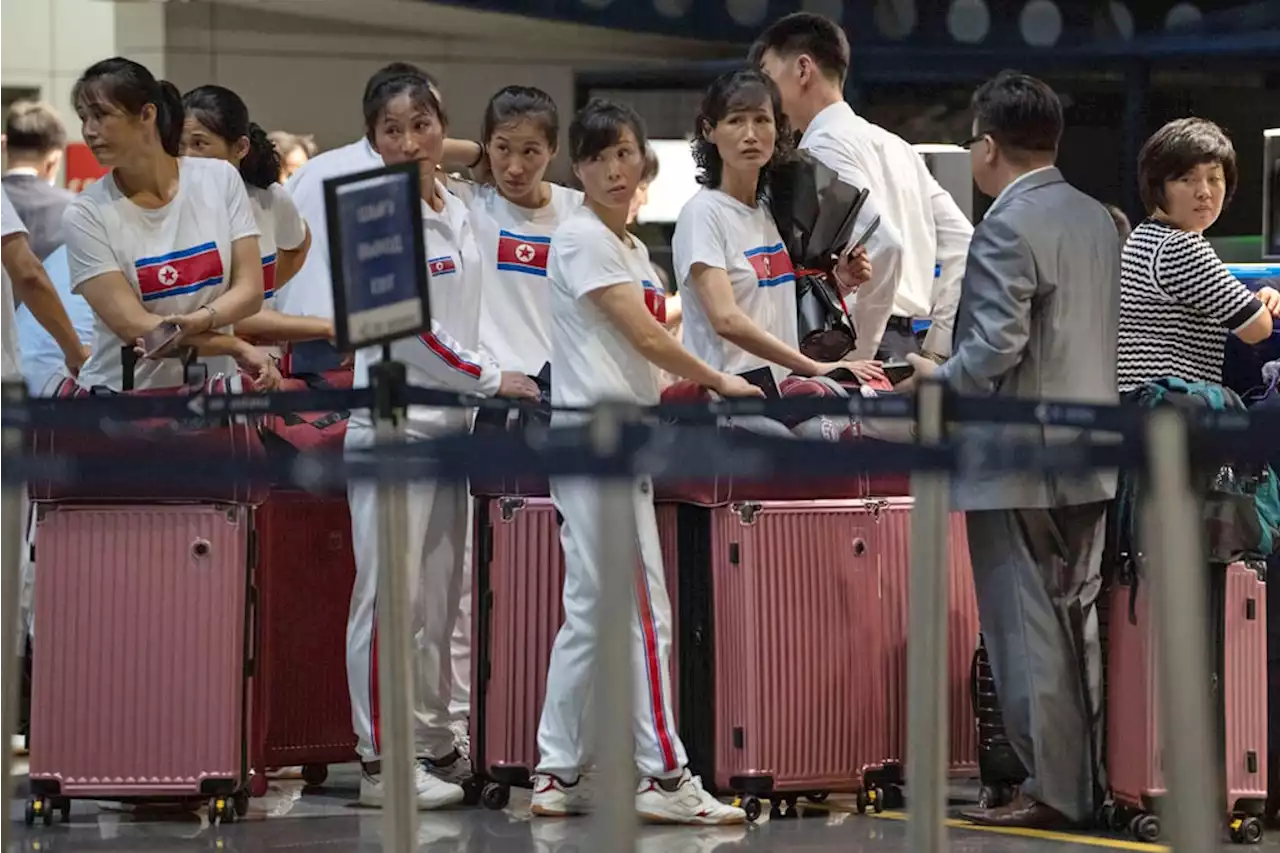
517 585
781 659
893 544
1134 767
147 626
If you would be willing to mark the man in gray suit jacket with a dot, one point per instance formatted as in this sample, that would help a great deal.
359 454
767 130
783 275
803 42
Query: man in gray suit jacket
1037 319
35 139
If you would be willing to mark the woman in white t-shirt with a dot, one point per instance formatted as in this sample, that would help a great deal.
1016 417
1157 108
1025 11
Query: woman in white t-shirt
607 344
405 122
514 217
729 256
217 126
159 238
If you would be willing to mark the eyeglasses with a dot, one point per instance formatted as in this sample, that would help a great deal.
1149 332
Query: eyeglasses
968 143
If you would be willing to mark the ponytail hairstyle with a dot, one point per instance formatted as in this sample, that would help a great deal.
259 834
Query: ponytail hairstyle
223 113
393 80
129 86
512 104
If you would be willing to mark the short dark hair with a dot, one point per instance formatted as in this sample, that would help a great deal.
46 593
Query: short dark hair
599 125
515 103
1176 149
391 81
732 91
286 143
806 33
33 127
131 86
1019 112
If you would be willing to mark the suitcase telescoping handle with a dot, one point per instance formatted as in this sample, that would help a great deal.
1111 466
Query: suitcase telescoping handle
129 365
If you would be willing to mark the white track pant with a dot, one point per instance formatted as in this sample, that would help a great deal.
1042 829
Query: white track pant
565 734
460 645
437 535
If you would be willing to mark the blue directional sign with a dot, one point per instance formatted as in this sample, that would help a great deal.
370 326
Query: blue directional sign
377 256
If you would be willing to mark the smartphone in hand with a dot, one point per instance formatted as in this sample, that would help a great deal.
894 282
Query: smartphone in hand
897 371
154 341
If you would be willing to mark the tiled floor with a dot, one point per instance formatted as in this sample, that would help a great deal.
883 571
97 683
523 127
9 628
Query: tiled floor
328 820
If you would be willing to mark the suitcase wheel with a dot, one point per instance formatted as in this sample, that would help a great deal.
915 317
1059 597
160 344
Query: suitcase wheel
1145 827
495 796
41 809
1246 830
870 798
750 805
221 810
818 796
259 785
314 775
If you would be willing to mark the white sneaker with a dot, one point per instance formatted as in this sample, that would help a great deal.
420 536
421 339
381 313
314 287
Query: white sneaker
687 804
433 792
553 797
462 737
455 773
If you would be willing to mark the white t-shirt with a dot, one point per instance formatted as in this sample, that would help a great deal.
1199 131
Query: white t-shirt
590 359
10 223
280 226
718 230
515 242
310 292
448 357
177 257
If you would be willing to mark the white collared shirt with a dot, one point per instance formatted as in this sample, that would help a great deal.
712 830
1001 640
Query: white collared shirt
310 291
920 227
1004 192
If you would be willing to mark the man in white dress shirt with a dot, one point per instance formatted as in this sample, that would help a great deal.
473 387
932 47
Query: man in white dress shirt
920 226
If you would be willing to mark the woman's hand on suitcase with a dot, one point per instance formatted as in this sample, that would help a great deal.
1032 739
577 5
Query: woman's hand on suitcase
518 386
261 368
730 385
865 371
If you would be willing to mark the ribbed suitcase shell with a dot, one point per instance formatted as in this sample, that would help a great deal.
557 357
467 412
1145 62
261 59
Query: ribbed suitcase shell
1133 729
140 684
793 633
305 571
893 545
518 611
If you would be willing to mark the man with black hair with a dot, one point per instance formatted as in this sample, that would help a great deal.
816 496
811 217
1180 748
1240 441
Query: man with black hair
920 226
34 140
1038 318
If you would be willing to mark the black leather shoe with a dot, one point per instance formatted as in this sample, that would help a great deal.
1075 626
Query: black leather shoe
1021 811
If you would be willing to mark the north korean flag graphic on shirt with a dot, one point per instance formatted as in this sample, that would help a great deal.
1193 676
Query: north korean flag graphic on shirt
523 253
179 273
772 265
268 278
441 266
655 299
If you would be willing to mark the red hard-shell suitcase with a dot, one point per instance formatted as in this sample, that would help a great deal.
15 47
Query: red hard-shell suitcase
146 616
781 662
1133 730
893 545
238 438
517 585
301 707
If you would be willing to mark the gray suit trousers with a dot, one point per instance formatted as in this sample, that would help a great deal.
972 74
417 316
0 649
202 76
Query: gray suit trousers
1038 576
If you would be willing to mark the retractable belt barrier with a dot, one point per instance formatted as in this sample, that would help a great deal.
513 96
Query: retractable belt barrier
664 440
614 443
